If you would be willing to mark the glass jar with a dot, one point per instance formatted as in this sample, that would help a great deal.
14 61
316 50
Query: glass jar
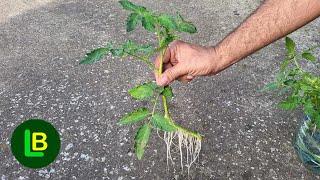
307 145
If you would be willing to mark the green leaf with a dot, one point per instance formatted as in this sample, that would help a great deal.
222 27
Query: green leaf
305 87
285 64
148 22
135 116
290 103
134 48
144 91
293 72
287 105
130 46
162 123
283 91
308 107
94 56
317 120
132 7
128 5
289 82
290 45
117 52
187 27
308 56
141 140
167 92
146 49
270 86
167 21
167 40
159 89
132 21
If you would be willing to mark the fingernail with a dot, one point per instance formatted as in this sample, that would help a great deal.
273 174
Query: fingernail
163 80
190 77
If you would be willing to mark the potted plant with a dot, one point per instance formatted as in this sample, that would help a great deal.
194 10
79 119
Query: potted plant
301 88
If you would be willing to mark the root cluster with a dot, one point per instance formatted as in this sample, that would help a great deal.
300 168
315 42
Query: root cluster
187 146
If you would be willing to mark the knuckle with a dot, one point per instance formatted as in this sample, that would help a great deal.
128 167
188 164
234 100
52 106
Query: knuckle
174 44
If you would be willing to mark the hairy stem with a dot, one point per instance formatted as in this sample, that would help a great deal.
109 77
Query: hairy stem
146 60
155 105
188 132
164 99
165 107
297 64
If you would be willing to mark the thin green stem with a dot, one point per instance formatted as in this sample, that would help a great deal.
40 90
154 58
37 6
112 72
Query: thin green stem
155 105
146 60
189 132
164 99
165 107
158 35
162 52
297 64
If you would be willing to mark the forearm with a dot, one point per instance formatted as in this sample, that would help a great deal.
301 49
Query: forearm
273 20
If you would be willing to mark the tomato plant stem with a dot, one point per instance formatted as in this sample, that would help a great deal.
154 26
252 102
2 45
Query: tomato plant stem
146 60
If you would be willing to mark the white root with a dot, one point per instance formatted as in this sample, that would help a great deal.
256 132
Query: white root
187 143
168 138
180 137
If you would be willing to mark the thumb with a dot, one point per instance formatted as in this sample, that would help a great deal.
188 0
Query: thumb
171 74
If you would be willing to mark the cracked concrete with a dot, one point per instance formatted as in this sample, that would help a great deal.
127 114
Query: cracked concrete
246 135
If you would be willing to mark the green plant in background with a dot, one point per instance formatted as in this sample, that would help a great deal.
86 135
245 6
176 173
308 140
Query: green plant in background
166 28
301 86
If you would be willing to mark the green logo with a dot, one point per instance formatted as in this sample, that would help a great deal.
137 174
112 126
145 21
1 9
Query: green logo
35 143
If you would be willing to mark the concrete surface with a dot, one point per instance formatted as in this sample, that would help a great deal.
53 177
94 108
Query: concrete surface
247 137
10 8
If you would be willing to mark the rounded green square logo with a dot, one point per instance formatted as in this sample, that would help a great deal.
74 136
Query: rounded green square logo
35 143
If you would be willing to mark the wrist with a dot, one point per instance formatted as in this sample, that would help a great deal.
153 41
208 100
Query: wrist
219 59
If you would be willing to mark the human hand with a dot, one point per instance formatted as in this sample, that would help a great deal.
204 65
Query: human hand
184 61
